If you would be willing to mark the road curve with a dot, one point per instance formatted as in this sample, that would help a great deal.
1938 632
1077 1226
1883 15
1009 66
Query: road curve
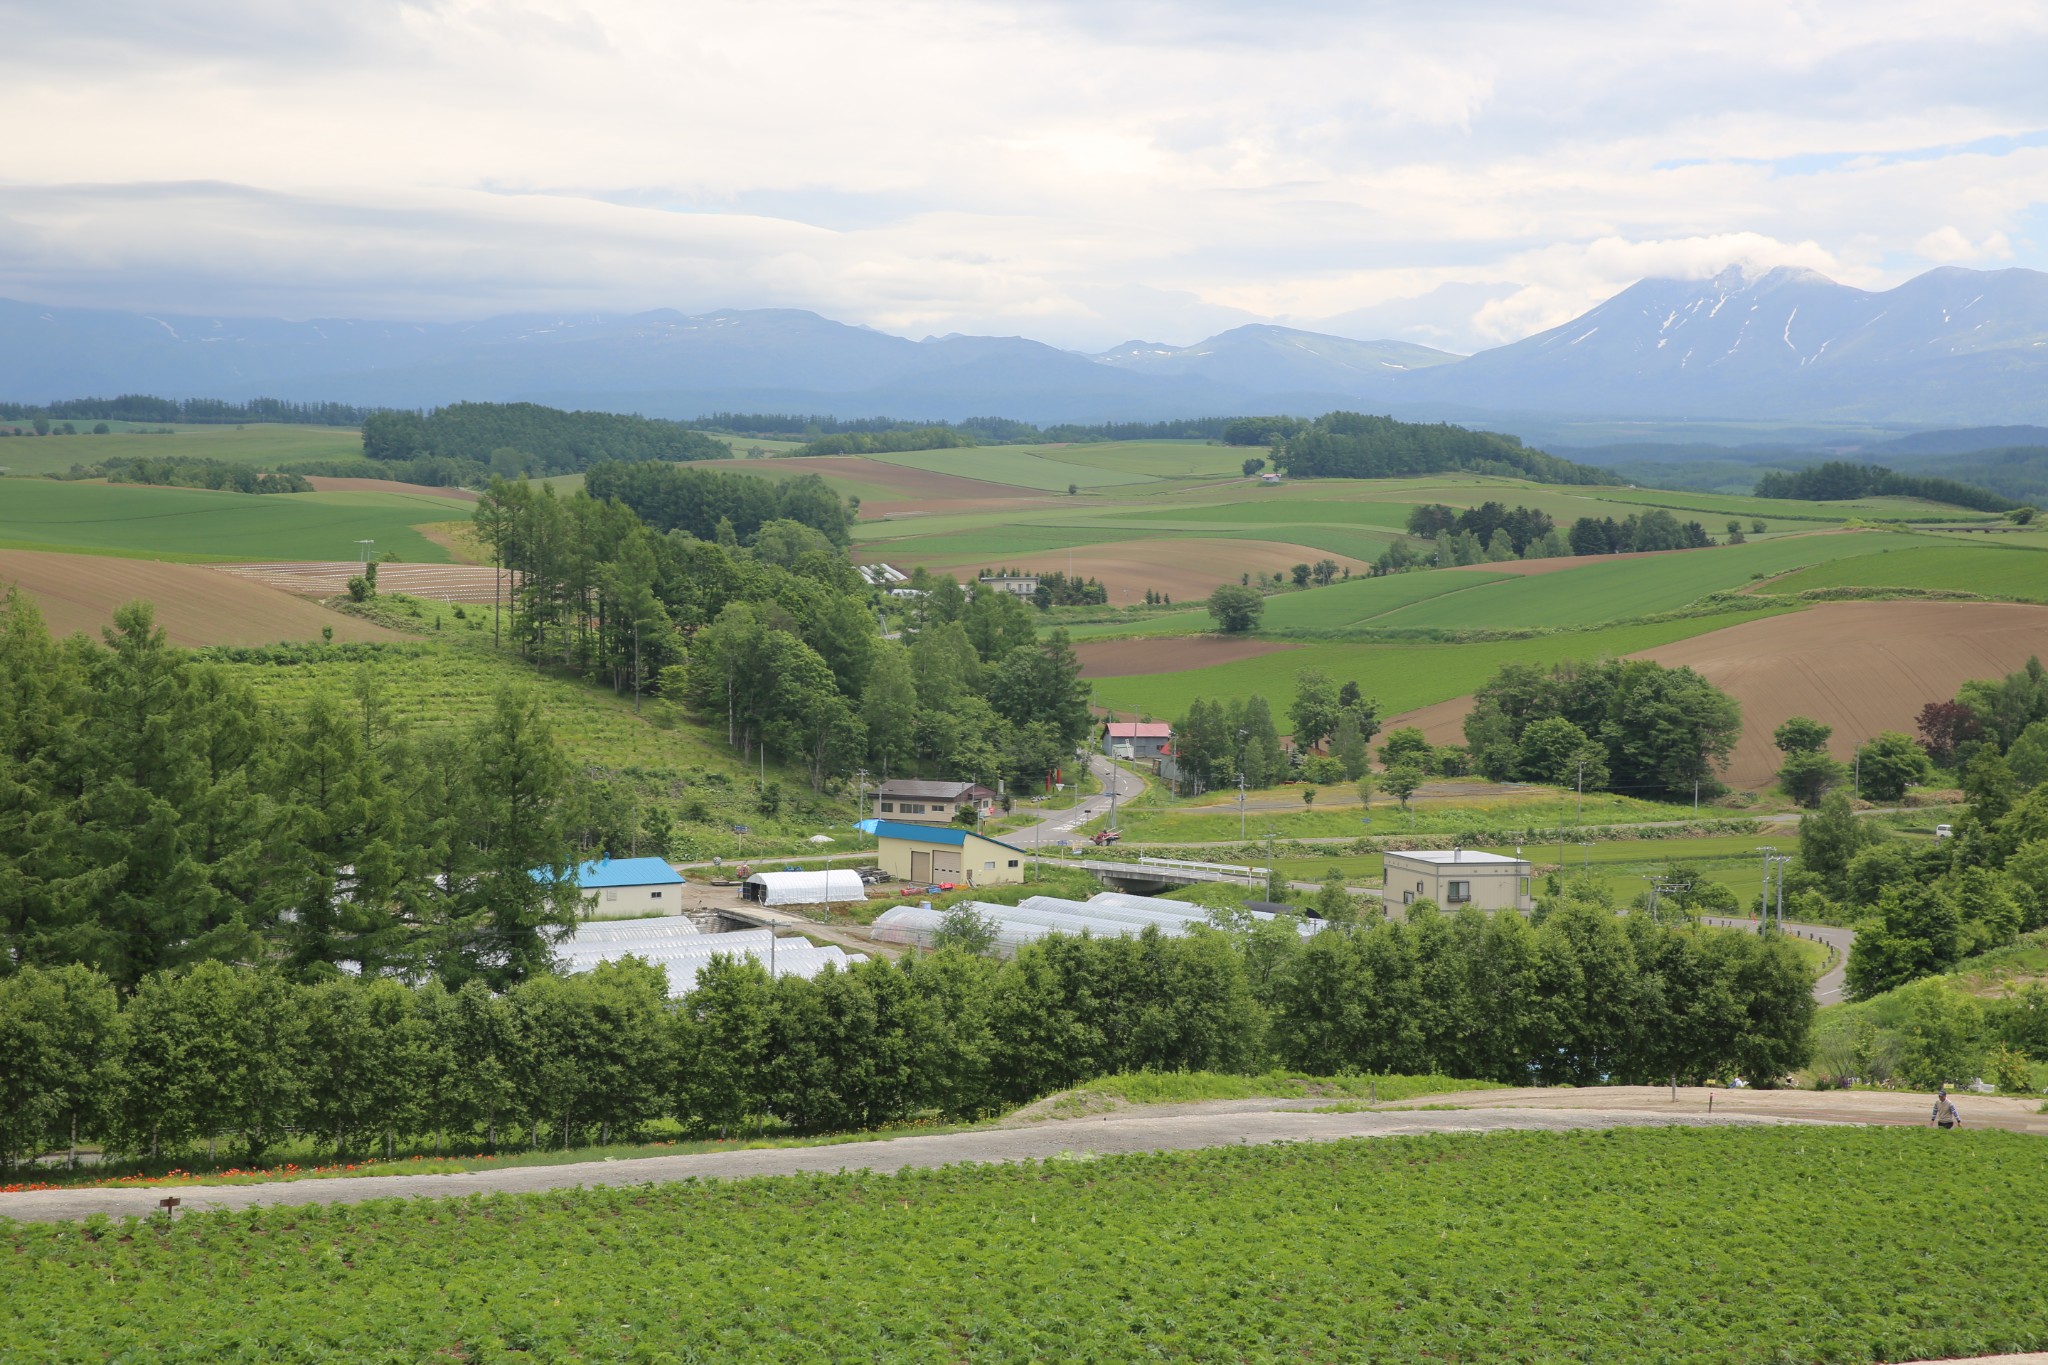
1829 987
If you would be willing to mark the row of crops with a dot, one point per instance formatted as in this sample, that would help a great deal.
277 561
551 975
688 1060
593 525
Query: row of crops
1731 1244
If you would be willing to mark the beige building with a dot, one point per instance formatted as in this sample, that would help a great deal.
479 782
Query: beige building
930 802
935 856
1459 877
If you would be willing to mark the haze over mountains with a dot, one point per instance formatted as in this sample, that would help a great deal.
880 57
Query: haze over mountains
1950 347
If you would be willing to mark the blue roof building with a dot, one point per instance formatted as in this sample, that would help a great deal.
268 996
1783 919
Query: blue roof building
615 888
943 855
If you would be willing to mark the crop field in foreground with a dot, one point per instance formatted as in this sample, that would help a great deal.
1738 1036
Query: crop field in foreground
202 524
1835 1244
1401 676
1994 570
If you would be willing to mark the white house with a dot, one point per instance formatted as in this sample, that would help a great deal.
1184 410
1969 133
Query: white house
1456 878
931 802
622 888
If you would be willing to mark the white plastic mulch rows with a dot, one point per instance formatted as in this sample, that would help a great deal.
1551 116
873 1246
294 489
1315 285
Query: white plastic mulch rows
681 949
1109 913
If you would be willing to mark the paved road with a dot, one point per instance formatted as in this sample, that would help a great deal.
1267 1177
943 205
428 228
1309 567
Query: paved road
1062 824
1151 1129
1828 989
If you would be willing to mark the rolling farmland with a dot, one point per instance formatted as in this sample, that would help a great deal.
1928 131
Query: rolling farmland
1993 570
263 445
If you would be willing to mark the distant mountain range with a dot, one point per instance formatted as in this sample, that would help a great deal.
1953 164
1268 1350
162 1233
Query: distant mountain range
1950 347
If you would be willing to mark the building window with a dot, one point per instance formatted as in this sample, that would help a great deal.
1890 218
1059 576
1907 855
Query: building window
611 895
1459 893
654 895
989 866
1013 862
1407 898
888 808
1525 886
910 808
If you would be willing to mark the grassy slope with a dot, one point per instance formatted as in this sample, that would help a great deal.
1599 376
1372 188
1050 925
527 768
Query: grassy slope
1620 1245
263 445
198 523
1016 466
1401 676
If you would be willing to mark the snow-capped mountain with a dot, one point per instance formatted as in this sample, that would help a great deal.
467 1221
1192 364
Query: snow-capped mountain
1950 344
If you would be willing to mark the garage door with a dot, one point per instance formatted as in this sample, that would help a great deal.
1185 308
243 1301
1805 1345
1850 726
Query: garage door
920 865
946 864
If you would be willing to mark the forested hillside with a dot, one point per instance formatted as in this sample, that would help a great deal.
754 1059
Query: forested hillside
1845 480
1352 445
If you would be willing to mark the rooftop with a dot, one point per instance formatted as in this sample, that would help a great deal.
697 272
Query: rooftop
953 836
1469 857
937 791
1140 729
608 872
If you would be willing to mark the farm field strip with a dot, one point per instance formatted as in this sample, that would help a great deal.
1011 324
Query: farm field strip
261 445
1598 589
1608 1245
467 583
1012 465
199 523
1402 676
1994 570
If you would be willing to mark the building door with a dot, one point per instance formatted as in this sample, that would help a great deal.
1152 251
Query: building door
920 865
946 864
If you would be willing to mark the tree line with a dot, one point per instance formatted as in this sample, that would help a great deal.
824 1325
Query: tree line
1846 480
977 430
140 407
1579 996
513 439
1352 445
887 442
192 471
153 814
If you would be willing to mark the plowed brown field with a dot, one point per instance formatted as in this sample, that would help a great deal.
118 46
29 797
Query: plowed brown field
1179 568
1861 667
329 578
195 604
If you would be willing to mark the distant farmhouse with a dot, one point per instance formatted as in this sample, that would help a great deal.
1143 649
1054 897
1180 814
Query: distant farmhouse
937 856
931 802
1459 877
1018 585
1143 739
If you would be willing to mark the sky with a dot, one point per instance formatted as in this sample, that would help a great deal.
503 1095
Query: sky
1460 174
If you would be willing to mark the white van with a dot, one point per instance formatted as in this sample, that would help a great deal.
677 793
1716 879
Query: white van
1944 831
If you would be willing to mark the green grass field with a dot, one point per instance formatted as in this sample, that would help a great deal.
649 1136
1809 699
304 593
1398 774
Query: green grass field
1401 676
1634 1244
264 445
200 524
1014 465
1596 590
1994 570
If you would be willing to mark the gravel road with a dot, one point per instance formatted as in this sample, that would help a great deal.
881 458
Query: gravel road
1148 1129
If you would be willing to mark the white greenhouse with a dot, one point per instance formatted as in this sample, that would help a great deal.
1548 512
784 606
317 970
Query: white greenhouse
804 888
680 949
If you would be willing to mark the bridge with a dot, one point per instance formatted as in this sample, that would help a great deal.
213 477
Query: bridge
1148 875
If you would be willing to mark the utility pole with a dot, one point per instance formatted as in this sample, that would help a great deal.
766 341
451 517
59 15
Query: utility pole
366 544
1781 860
1856 783
1240 805
1763 902
1579 817
1695 799
860 801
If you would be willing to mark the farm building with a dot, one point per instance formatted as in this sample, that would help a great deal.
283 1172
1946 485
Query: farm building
803 888
931 802
620 888
1017 585
881 575
1143 739
1459 877
1107 914
679 948
937 855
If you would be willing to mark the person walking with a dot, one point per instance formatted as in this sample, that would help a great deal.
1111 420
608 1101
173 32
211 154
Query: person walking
1945 1115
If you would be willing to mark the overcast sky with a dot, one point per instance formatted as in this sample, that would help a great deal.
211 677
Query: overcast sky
1461 173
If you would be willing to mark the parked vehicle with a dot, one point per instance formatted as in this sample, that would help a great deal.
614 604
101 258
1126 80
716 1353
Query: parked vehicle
1107 836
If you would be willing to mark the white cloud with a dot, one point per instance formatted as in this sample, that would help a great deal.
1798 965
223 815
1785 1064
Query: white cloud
1082 173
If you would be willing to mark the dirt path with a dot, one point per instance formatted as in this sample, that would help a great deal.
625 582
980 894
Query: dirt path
1151 1128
